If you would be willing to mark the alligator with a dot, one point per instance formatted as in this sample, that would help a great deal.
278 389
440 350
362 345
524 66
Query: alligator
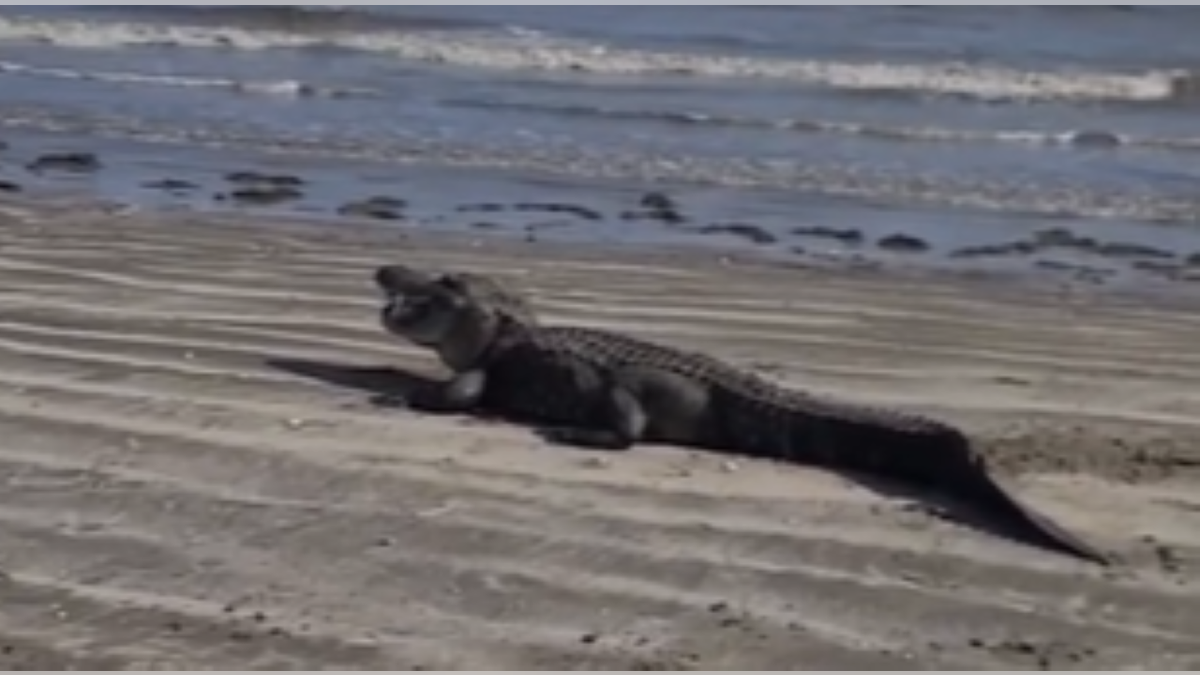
605 390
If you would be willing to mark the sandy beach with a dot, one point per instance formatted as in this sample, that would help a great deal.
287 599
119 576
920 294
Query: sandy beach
195 476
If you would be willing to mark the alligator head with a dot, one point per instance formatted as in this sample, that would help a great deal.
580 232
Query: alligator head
457 314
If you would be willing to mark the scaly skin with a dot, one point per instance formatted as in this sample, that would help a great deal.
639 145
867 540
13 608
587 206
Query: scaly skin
605 390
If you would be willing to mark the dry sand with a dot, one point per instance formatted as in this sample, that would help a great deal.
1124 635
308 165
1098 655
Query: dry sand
194 476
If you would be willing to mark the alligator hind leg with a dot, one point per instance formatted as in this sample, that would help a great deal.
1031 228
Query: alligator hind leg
616 422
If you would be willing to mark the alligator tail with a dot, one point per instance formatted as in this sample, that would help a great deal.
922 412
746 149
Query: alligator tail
922 453
1021 522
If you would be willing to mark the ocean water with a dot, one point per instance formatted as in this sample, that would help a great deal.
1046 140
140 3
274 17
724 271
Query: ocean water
970 129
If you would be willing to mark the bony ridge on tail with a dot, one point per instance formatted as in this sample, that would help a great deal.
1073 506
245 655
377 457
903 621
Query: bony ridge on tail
606 390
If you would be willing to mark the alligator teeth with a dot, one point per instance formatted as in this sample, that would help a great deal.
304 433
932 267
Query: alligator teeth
405 305
397 300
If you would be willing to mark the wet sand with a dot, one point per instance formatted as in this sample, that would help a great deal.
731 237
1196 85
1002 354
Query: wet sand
195 476
784 225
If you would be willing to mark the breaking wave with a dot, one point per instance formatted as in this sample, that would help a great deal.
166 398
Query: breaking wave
532 52
291 88
1081 138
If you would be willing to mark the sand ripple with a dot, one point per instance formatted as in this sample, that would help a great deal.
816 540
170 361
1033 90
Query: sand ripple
173 501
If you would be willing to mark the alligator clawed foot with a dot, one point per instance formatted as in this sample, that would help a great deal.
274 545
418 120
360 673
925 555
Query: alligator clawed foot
392 401
590 439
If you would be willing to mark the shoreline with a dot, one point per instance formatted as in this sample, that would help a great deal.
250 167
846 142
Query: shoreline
192 449
999 283
756 224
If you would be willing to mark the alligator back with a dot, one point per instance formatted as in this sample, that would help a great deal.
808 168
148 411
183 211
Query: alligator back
748 414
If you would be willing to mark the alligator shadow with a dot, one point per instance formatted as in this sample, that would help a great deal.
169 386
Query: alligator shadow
951 510
389 387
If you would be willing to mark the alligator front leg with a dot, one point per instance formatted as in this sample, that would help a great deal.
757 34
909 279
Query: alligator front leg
460 394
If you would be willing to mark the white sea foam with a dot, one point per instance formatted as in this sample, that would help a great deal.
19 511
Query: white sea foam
530 52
